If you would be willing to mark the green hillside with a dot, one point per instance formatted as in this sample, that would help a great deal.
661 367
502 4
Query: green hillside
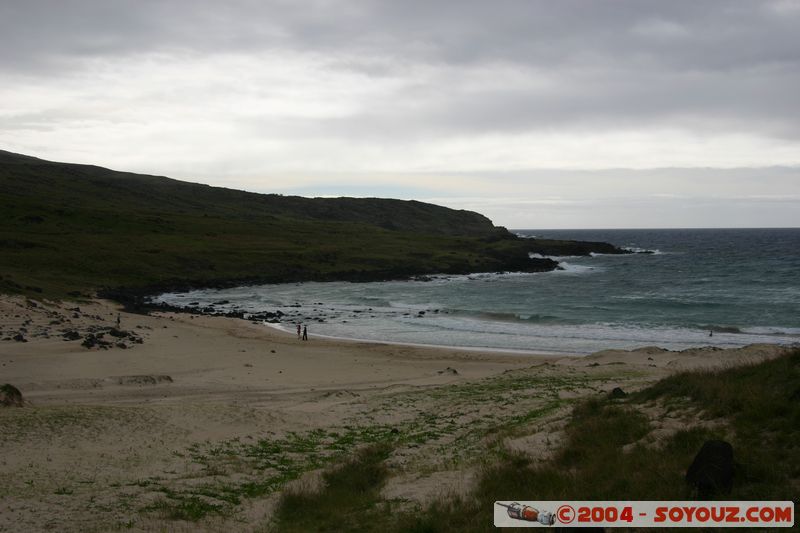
68 228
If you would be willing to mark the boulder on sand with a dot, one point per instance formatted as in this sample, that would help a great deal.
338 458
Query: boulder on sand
711 471
617 393
10 396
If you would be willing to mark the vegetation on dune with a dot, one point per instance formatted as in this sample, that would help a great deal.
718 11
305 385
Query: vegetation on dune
77 228
760 405
348 499
611 452
234 471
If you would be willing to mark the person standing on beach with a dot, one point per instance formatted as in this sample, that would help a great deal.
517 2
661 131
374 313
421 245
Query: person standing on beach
298 331
305 333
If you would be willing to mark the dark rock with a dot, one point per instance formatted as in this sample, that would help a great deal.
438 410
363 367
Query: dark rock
448 370
711 471
143 379
71 335
550 247
122 345
114 332
91 341
617 393
273 318
10 396
19 338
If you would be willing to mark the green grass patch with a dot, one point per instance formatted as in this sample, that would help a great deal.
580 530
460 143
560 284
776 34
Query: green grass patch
262 467
189 508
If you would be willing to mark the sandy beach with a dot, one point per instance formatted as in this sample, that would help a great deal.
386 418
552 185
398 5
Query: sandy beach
183 408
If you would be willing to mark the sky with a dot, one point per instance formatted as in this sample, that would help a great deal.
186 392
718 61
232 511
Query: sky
536 113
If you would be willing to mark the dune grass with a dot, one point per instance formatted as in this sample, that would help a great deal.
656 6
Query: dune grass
611 453
348 499
761 404
608 455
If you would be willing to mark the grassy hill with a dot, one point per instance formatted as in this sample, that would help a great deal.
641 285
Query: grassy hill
68 228
89 186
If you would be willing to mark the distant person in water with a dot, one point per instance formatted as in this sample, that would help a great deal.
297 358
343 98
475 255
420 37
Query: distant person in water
711 333
298 331
305 333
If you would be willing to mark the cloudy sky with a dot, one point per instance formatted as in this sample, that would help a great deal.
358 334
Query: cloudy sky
539 114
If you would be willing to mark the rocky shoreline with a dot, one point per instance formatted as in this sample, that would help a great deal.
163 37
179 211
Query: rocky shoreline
26 320
138 299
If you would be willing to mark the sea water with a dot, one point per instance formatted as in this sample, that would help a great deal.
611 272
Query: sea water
692 287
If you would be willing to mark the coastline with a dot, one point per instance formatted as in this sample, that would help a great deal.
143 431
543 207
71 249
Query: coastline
495 351
501 331
118 427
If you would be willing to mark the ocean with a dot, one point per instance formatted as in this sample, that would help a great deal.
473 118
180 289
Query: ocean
696 287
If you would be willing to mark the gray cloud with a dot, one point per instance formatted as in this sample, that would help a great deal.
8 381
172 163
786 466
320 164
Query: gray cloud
718 64
247 89
653 35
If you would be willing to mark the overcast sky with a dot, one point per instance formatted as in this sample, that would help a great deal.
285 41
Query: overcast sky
539 114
